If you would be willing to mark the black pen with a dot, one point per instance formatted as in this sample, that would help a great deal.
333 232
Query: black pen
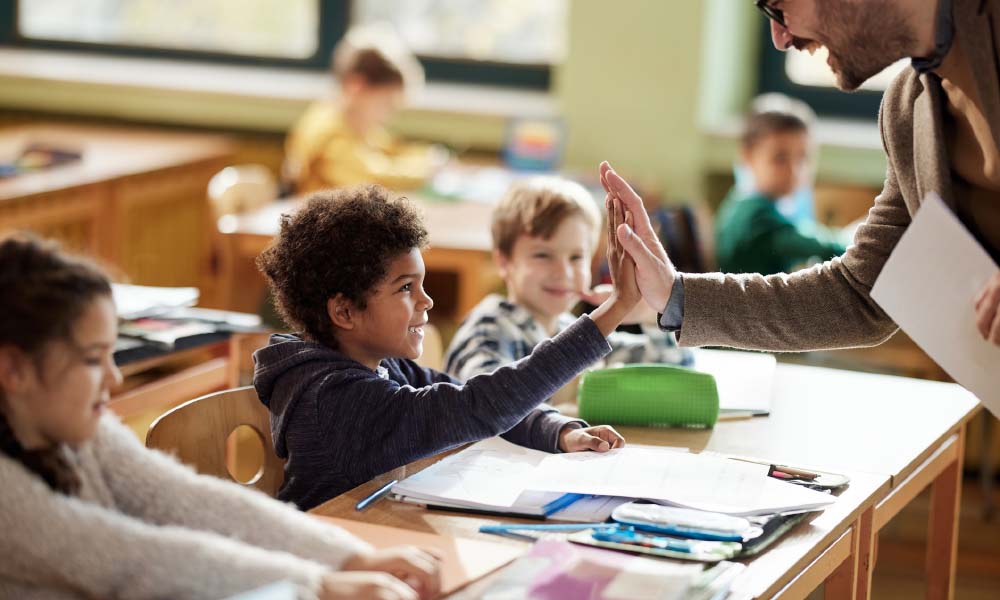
378 495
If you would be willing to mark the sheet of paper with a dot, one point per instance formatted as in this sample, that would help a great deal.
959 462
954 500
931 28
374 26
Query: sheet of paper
689 480
929 285
744 379
135 301
491 473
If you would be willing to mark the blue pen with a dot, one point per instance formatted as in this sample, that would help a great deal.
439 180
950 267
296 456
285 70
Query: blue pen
554 527
560 503
627 536
382 492
511 529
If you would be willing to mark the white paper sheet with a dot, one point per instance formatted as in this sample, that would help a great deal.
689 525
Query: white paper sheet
690 480
491 472
493 475
135 301
744 379
929 285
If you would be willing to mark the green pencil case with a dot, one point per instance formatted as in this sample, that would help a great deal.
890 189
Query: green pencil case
649 394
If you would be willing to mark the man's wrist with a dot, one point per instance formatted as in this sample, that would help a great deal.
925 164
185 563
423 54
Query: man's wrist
672 316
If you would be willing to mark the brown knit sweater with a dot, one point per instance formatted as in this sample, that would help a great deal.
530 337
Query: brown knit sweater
829 306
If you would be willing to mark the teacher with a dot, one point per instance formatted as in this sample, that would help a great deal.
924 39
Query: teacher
940 125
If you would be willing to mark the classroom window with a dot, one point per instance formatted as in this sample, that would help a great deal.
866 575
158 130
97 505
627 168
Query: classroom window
807 77
510 43
527 32
806 69
284 29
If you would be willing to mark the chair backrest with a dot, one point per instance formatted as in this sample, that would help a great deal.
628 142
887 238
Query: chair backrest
241 188
198 434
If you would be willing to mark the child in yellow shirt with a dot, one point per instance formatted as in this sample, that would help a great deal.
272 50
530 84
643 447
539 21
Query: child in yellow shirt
343 142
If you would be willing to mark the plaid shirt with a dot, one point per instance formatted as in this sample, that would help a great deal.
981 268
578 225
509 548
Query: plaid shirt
498 332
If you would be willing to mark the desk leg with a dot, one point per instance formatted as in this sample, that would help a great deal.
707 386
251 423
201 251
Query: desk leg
942 532
867 538
852 579
987 470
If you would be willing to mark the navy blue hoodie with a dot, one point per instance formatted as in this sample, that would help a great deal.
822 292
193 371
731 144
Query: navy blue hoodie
339 424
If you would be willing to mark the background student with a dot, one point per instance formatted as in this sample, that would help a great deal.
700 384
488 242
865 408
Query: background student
343 141
752 235
347 401
90 513
545 232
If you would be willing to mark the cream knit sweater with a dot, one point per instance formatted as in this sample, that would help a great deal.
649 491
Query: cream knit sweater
145 526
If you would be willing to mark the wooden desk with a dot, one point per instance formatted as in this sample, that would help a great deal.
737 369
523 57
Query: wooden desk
136 199
460 244
163 381
893 436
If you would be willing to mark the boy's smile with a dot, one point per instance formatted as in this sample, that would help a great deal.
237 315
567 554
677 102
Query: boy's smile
546 276
392 323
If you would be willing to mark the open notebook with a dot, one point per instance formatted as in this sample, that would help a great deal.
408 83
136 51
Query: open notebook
488 476
744 379
495 474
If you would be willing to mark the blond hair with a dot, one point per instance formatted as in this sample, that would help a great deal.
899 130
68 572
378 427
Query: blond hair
536 207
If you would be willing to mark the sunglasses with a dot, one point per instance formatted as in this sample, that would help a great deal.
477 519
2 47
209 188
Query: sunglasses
775 14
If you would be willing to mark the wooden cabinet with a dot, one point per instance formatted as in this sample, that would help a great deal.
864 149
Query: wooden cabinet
136 200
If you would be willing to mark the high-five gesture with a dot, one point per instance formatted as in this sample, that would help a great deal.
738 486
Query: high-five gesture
654 273
625 295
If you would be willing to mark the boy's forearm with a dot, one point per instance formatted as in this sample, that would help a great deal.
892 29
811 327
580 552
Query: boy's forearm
610 314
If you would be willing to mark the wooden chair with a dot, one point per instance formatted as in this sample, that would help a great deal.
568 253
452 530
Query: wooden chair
199 434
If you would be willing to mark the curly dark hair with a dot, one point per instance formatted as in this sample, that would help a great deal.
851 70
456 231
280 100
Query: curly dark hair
340 242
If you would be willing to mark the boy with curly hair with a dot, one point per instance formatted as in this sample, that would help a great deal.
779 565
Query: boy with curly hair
347 401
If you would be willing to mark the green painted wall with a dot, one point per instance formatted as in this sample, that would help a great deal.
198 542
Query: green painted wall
629 91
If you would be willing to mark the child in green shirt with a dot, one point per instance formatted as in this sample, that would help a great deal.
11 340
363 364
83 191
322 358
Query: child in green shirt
751 234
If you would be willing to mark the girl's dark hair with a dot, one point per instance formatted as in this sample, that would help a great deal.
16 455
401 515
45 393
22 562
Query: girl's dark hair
43 291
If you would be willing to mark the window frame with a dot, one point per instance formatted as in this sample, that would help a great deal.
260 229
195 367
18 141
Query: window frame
827 102
334 20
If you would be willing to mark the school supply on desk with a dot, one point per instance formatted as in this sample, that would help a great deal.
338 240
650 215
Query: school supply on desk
629 539
377 495
943 321
811 478
489 477
168 335
636 540
750 534
745 380
38 156
137 301
463 560
685 522
556 570
499 477
533 532
703 482
649 394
